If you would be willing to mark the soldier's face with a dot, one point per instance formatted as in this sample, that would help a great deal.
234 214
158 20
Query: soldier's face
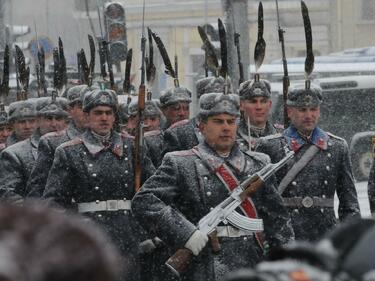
5 132
49 124
257 110
101 119
24 128
176 112
219 132
304 119
78 116
152 123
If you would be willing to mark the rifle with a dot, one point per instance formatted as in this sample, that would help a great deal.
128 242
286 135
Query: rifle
225 211
138 147
286 81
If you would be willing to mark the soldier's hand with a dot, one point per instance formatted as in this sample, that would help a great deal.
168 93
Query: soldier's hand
196 242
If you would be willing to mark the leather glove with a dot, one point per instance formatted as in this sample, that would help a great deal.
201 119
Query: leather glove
196 242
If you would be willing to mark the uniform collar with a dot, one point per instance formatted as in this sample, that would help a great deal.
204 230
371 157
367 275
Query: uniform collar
72 131
269 129
319 138
35 137
235 159
94 146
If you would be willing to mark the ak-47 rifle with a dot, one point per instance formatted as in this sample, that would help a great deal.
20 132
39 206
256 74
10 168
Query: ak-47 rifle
309 62
225 211
140 114
23 74
286 81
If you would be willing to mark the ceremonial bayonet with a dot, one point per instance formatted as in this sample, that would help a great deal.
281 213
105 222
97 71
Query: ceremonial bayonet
150 67
237 44
225 211
260 46
126 85
92 60
309 62
167 62
223 49
23 73
62 68
211 60
4 91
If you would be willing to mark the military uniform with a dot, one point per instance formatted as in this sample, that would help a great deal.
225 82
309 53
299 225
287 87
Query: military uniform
100 180
189 178
49 142
16 163
309 194
46 151
95 176
243 138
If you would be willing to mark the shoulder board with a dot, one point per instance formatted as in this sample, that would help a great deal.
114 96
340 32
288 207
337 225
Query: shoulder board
72 142
54 134
335 137
126 135
152 133
271 137
259 156
182 153
179 124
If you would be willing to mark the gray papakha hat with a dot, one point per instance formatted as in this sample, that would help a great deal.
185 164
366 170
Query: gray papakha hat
217 103
21 110
74 94
99 97
151 109
175 95
211 84
57 108
301 97
252 88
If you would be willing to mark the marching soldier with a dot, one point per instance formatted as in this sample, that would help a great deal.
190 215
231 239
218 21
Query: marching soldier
96 171
22 117
5 129
189 183
322 167
49 142
174 104
17 161
256 104
185 134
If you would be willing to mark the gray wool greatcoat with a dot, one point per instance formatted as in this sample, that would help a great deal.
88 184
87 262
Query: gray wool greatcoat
185 188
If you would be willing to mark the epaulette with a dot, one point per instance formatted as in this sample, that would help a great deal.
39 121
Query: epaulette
271 137
334 136
182 153
278 126
179 124
72 142
259 156
126 135
54 134
152 133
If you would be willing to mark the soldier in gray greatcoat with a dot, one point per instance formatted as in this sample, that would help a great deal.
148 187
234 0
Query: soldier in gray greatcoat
185 134
49 142
189 183
321 167
256 105
96 172
17 161
22 117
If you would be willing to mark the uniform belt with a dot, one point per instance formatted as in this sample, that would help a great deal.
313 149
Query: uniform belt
230 231
109 205
308 202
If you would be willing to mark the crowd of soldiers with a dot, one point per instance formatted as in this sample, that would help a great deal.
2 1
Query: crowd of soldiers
77 153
